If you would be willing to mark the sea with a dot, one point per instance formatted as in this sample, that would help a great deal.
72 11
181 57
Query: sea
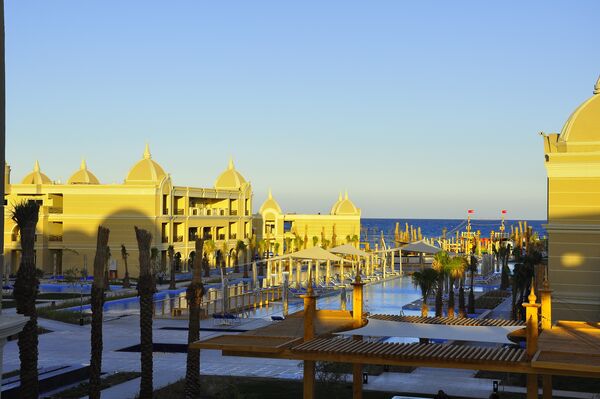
432 228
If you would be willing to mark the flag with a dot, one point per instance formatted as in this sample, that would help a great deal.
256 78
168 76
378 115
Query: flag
470 211
504 211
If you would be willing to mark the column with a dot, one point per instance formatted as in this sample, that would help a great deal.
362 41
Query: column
328 272
309 333
317 267
357 316
531 315
393 260
400 262
298 273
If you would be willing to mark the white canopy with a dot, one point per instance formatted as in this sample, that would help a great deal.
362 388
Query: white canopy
348 249
314 253
386 328
421 247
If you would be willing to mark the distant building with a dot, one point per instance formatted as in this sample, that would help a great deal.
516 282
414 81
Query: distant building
284 232
175 215
572 160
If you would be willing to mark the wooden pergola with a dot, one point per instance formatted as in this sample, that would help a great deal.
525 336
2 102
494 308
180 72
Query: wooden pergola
568 348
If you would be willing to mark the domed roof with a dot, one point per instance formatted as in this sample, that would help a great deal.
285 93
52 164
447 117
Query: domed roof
344 207
270 204
145 171
83 176
231 179
584 124
36 177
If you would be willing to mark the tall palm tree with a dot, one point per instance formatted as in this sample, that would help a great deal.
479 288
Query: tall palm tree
456 270
25 291
262 244
194 294
124 256
503 253
472 269
441 260
146 289
426 281
171 255
240 249
97 302
209 249
315 241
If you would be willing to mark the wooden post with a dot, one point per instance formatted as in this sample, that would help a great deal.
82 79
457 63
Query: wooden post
357 316
547 387
328 272
310 308
357 382
531 315
317 264
546 302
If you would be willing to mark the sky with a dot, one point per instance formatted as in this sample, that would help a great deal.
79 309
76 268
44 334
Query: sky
419 109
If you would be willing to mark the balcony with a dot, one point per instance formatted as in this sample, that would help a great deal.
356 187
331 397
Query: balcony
220 236
54 237
165 211
179 212
15 237
232 236
192 237
55 209
233 212
165 239
178 239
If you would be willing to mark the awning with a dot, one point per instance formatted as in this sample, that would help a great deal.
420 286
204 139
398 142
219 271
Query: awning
314 253
421 247
348 249
383 328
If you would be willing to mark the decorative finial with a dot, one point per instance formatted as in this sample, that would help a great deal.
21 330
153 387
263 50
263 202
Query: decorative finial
36 166
532 298
147 154
340 196
546 283
83 164
230 166
270 193
346 195
597 86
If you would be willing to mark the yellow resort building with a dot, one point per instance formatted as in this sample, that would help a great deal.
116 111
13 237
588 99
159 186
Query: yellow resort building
175 215
286 232
572 160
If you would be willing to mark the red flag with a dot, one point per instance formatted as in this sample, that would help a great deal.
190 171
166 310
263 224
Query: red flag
471 211
504 211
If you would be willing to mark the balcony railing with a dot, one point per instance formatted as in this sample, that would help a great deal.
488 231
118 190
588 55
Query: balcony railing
192 237
233 212
165 211
178 239
55 209
55 237
232 236
165 239
15 237
220 236
179 212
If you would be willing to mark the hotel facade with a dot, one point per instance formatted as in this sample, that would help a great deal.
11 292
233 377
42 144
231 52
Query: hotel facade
175 215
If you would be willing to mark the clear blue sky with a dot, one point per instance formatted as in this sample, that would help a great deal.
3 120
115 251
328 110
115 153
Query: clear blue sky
419 109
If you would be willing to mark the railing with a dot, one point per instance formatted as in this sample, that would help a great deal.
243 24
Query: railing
53 237
247 213
165 211
165 239
192 237
233 212
178 239
55 209
220 236
179 212
232 236
15 237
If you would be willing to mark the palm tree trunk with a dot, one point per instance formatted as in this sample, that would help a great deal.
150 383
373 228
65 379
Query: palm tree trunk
439 293
461 300
451 297
424 309
25 293
172 285
194 295
126 278
472 295
97 302
504 282
145 291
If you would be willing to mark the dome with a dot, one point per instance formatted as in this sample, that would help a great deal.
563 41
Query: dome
231 179
270 205
345 207
145 171
584 124
83 176
36 177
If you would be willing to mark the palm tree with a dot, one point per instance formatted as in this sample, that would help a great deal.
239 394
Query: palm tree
171 255
25 291
97 302
106 275
427 281
262 244
456 269
472 269
441 260
276 248
146 290
315 241
124 255
240 249
209 249
194 294
503 253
